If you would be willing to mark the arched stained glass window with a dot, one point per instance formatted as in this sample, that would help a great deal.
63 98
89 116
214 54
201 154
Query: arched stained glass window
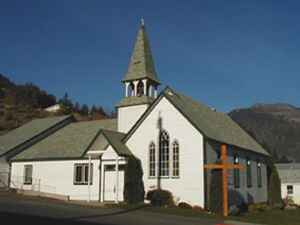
163 154
152 160
175 159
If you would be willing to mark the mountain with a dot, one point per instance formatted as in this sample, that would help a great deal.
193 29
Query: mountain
20 103
274 126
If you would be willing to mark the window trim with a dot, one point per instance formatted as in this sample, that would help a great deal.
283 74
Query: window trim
25 181
83 175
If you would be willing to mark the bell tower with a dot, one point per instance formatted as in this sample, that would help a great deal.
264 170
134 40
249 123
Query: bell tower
140 82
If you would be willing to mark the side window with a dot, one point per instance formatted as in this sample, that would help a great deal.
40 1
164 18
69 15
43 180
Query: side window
236 173
110 167
249 173
28 174
290 189
81 173
259 177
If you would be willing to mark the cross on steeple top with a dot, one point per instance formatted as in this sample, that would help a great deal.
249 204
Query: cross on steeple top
142 21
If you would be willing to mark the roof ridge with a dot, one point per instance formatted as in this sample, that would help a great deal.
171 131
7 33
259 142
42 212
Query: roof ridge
93 121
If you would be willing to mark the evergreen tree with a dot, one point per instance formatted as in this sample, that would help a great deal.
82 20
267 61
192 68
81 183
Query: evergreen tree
84 110
77 107
113 114
134 187
101 111
66 104
216 192
93 110
274 187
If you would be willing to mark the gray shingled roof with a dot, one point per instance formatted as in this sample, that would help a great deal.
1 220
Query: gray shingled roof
289 172
26 132
115 140
71 141
215 125
141 63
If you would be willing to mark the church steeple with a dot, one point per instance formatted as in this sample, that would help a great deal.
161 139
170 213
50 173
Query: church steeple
141 63
140 83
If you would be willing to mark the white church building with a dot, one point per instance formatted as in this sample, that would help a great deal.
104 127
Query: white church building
171 134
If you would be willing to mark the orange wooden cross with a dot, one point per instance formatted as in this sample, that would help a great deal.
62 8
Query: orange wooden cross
224 166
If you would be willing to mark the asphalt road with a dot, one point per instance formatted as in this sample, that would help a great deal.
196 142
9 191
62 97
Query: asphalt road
15 209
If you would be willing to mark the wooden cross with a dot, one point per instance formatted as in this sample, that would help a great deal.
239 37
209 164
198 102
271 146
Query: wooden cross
224 166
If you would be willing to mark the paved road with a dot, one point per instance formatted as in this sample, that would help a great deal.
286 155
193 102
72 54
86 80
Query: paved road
14 208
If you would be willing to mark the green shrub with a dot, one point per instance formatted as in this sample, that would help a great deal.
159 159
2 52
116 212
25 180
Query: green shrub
160 198
258 207
133 186
184 205
274 187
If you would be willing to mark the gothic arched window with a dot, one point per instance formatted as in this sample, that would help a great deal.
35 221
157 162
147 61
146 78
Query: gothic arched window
140 89
175 159
152 160
163 154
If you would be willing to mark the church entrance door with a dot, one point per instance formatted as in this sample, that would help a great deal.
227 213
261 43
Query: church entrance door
110 186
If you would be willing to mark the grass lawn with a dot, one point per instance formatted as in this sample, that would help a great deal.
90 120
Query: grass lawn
182 212
271 217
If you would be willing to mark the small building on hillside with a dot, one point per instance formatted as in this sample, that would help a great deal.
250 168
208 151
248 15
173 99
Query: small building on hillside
289 174
53 108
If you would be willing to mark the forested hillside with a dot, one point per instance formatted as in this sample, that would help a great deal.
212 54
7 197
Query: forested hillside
275 126
20 103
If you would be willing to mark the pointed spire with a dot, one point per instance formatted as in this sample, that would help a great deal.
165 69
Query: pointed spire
141 63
